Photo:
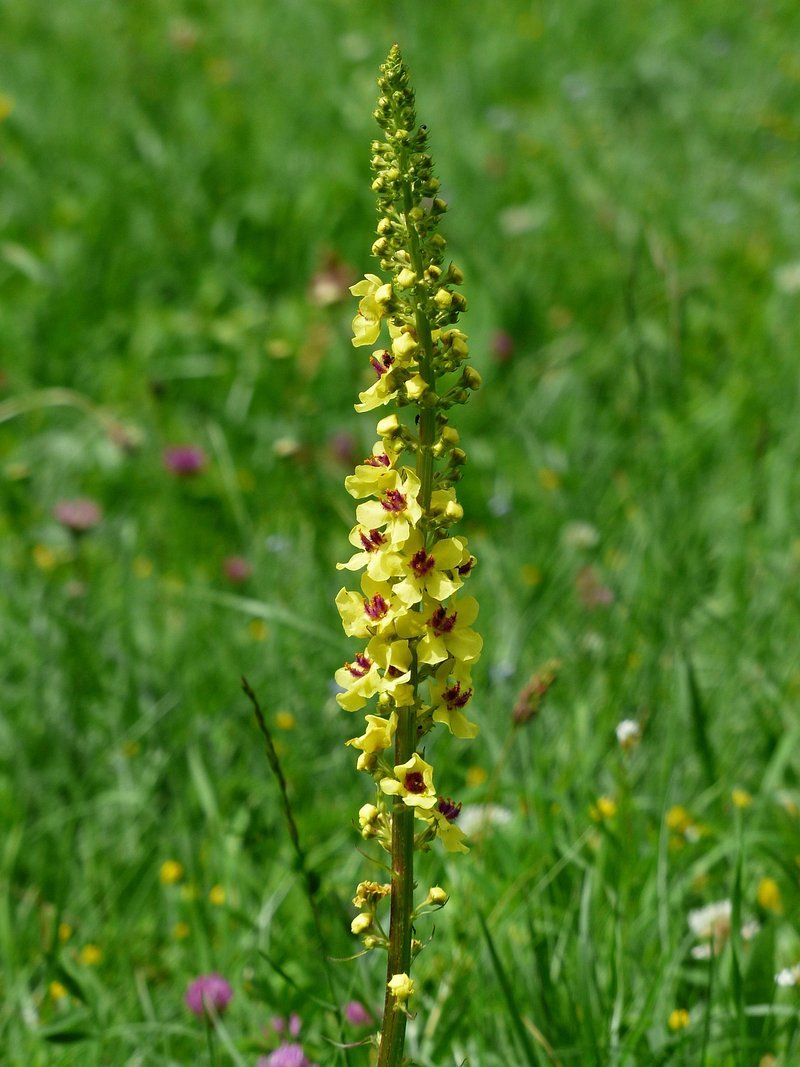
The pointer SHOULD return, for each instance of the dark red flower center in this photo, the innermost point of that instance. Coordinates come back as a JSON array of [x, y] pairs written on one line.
[[376, 608], [421, 563], [449, 808], [378, 461], [360, 665], [442, 623], [393, 500], [465, 568], [394, 672], [372, 541], [454, 697], [380, 366], [414, 782]]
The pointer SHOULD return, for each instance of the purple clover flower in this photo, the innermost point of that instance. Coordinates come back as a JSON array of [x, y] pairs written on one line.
[[78, 515], [286, 1055], [184, 460], [236, 569], [356, 1014], [209, 992]]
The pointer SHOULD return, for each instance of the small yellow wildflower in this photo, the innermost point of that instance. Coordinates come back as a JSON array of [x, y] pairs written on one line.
[[57, 991], [180, 931], [44, 558], [604, 808], [678, 1019], [170, 872], [217, 895], [476, 776], [142, 567], [284, 720], [741, 798], [64, 932], [769, 896], [549, 479], [678, 819], [258, 629], [90, 955], [530, 574]]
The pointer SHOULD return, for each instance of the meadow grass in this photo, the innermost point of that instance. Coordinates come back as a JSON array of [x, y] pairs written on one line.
[[623, 187]]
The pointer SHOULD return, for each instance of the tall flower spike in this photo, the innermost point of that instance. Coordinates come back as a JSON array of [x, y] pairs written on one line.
[[412, 669]]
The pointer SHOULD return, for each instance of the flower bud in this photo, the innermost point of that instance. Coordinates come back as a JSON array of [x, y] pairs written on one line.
[[367, 814], [384, 294], [361, 923], [443, 299], [471, 379], [404, 346], [384, 226], [389, 426], [453, 512], [406, 278], [437, 896], [458, 457], [401, 987]]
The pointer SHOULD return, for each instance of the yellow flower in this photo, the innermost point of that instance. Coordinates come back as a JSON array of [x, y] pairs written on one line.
[[741, 798], [678, 1019], [449, 833], [549, 479], [142, 567], [217, 895], [374, 475], [376, 555], [604, 808], [64, 932], [384, 389], [372, 612], [90, 955], [445, 630], [678, 819], [57, 991], [258, 629], [360, 680], [431, 573], [396, 510], [476, 776], [401, 987], [413, 782], [379, 734], [284, 720], [451, 691], [170, 872], [530, 574], [180, 931], [44, 558], [769, 896], [367, 323]]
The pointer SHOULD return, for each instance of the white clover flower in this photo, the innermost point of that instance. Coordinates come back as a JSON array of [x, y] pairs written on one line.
[[629, 733], [476, 818], [712, 926], [580, 535], [789, 976]]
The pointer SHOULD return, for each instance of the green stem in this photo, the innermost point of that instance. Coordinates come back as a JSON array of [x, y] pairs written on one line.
[[393, 1029]]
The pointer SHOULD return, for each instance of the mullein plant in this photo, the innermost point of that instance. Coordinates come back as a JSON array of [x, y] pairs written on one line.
[[410, 614]]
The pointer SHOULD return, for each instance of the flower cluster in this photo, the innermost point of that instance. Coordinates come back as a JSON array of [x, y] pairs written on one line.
[[410, 613]]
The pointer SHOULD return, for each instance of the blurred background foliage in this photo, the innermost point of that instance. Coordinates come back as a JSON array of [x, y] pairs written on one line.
[[184, 197]]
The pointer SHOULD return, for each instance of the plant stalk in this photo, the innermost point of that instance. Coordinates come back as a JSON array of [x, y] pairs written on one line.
[[393, 1029]]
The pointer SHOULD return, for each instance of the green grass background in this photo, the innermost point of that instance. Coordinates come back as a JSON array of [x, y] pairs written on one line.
[[623, 185]]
